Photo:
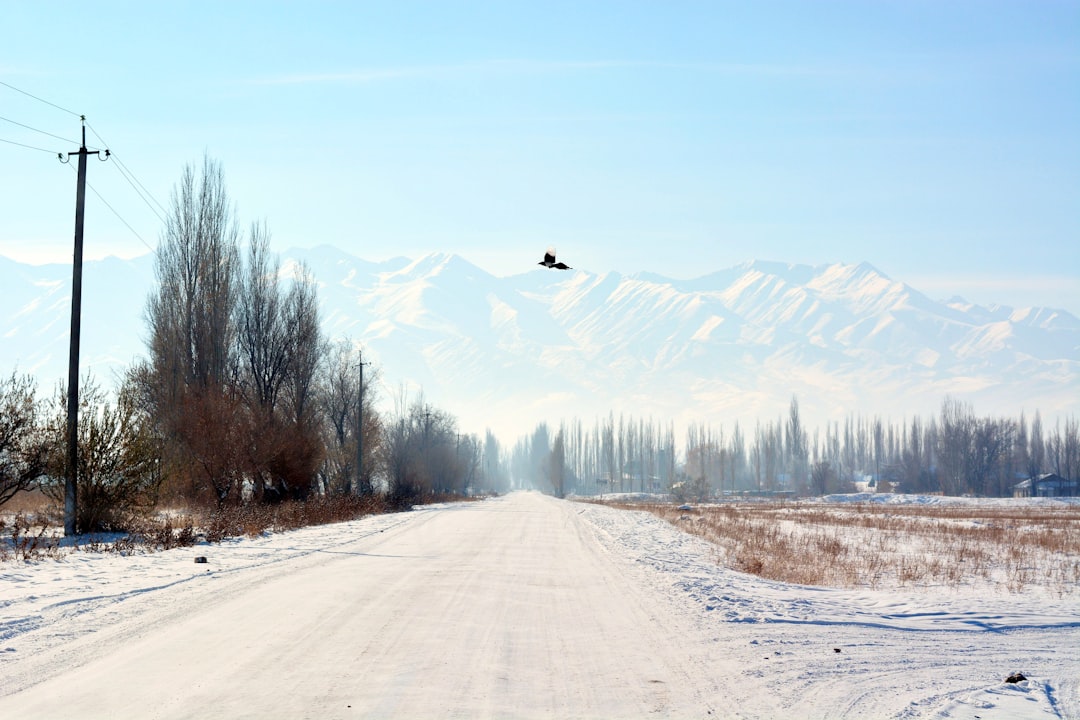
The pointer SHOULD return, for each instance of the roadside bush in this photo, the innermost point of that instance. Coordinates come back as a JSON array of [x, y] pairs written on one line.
[[119, 465], [23, 444], [255, 519], [162, 534]]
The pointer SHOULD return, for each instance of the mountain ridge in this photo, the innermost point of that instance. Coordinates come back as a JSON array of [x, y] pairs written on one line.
[[508, 352]]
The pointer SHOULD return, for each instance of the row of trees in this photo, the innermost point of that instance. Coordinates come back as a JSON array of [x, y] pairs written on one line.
[[956, 452], [240, 399], [230, 382], [250, 400], [425, 453], [621, 456]]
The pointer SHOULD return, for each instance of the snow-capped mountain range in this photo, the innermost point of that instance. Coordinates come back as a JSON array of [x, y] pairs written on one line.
[[508, 352]]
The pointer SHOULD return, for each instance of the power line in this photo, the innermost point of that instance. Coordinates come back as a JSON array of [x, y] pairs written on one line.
[[31, 147], [128, 175], [124, 173], [145, 195], [120, 217], [132, 181], [43, 132], [148, 194], [35, 97]]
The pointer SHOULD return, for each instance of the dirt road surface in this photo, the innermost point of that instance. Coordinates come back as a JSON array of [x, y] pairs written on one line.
[[504, 608]]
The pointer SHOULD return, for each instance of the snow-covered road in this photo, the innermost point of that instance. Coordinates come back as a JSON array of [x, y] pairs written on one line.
[[521, 606]]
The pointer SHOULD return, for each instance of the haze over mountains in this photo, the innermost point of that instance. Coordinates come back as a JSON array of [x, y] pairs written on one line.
[[508, 352]]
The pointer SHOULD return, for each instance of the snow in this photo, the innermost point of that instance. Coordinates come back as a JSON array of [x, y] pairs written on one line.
[[519, 606], [844, 339]]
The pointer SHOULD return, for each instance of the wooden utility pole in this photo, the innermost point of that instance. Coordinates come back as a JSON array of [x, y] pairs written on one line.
[[360, 428], [71, 484]]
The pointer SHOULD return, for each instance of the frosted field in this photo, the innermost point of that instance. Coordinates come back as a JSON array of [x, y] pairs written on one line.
[[895, 541], [520, 606]]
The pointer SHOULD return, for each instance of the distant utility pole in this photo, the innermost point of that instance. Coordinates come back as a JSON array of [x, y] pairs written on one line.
[[71, 484], [360, 425]]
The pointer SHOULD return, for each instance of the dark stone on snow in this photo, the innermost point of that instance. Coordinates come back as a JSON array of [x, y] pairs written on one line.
[[200, 559], [1015, 678]]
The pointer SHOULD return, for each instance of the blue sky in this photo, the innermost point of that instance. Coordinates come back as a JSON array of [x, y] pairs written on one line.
[[938, 141]]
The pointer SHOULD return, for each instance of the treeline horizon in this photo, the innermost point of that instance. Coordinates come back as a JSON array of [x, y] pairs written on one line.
[[955, 452]]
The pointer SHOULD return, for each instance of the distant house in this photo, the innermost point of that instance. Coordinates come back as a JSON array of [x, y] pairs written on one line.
[[873, 484], [1047, 485]]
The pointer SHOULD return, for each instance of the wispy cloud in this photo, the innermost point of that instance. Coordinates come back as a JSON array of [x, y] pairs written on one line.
[[371, 75], [519, 66], [351, 77]]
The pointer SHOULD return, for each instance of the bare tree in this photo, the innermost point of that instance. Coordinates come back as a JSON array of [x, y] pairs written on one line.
[[912, 458], [234, 356], [262, 334], [305, 344], [210, 445], [23, 444], [757, 453], [820, 473], [773, 451], [539, 451], [191, 316], [989, 472], [340, 398], [556, 465], [419, 452], [1037, 451], [1063, 448], [955, 445], [796, 446], [399, 461], [494, 471], [293, 462]]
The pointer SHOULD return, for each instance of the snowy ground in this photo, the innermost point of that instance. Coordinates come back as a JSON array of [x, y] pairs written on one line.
[[521, 606]]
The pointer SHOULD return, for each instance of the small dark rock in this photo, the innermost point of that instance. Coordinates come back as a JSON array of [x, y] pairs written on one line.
[[836, 649], [1015, 678], [200, 559]]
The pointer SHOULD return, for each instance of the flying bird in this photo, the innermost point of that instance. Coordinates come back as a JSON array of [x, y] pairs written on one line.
[[549, 261]]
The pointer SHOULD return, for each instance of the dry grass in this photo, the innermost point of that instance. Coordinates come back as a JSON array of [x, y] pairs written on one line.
[[30, 528], [33, 529], [26, 502], [28, 537], [1011, 547]]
